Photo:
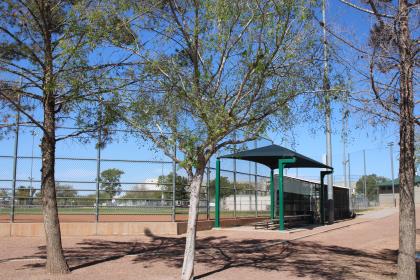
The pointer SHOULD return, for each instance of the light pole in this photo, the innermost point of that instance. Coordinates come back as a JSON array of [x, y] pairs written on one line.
[[390, 145], [326, 88]]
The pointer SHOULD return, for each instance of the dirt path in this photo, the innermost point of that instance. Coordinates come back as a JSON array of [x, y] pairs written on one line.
[[363, 248]]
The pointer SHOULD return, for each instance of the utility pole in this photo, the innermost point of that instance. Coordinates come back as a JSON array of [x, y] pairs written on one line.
[[326, 88], [390, 145], [344, 138]]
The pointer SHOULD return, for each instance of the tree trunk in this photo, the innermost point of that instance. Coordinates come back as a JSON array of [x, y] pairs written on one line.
[[188, 265], [407, 234], [55, 257]]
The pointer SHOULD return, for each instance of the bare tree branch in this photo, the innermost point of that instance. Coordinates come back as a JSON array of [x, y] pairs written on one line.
[[365, 10]]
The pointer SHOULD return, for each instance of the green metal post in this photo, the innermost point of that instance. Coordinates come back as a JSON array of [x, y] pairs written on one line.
[[272, 194], [321, 201], [217, 196], [282, 162]]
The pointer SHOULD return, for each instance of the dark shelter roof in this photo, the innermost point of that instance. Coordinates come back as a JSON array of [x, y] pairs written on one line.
[[270, 155]]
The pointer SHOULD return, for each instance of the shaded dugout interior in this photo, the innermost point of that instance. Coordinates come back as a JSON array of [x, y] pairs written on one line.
[[301, 197]]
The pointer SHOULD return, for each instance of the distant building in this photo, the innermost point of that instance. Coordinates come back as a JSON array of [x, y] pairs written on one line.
[[150, 184], [385, 192]]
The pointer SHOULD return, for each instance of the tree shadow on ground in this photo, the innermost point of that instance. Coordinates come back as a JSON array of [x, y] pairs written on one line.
[[216, 254]]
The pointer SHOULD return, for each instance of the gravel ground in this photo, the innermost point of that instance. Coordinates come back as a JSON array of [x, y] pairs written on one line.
[[363, 248]]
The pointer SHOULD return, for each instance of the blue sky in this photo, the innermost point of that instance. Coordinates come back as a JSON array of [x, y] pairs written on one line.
[[373, 140]]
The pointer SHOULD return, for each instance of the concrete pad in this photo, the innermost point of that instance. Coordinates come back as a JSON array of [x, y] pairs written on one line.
[[4, 229], [379, 214]]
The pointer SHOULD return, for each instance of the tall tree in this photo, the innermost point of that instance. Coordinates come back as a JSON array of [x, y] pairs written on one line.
[[47, 45], [110, 181], [227, 188], [212, 69], [65, 192], [372, 182], [181, 182], [394, 58]]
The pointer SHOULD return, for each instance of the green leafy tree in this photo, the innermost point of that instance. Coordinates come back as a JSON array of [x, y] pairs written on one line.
[[212, 69], [65, 192], [110, 181], [3, 193], [227, 187], [181, 190], [52, 49], [372, 182]]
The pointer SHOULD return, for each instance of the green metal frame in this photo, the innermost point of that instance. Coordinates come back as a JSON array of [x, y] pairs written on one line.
[[282, 163], [217, 196], [272, 195]]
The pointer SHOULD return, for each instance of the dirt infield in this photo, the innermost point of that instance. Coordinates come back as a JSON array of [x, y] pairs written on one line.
[[364, 248]]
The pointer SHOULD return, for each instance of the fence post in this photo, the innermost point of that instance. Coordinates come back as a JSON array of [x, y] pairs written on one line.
[[98, 175], [98, 159], [217, 196], [15, 159], [234, 178], [174, 186], [281, 201], [256, 182], [321, 201], [208, 191], [234, 187], [281, 164], [272, 194]]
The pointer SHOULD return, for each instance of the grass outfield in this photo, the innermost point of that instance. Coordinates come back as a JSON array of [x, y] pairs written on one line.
[[127, 211]]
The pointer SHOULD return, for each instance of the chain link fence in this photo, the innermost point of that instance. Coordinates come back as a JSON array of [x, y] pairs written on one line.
[[369, 174], [109, 186], [130, 181]]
